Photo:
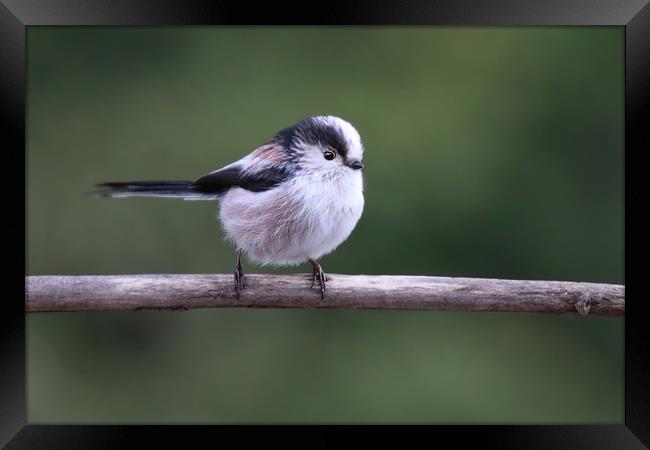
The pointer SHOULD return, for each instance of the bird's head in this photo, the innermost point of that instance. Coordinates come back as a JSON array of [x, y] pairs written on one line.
[[323, 144]]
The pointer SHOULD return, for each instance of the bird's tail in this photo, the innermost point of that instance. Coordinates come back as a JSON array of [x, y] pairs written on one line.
[[186, 190]]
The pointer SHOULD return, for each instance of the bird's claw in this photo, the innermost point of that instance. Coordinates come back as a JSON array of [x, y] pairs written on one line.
[[240, 281], [318, 276]]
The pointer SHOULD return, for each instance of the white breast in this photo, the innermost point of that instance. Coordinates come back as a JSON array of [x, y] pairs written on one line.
[[304, 218]]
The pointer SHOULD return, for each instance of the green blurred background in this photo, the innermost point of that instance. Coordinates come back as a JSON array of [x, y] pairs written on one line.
[[490, 152]]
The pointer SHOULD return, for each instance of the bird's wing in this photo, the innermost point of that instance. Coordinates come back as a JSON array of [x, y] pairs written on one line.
[[261, 170]]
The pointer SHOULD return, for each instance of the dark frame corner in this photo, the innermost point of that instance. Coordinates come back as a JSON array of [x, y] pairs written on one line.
[[15, 15]]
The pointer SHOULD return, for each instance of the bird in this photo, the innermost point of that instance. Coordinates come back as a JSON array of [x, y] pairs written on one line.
[[292, 200]]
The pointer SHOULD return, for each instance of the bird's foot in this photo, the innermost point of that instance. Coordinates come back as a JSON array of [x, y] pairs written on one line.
[[240, 282], [318, 276]]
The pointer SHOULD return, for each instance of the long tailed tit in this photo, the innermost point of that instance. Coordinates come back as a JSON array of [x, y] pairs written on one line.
[[292, 200]]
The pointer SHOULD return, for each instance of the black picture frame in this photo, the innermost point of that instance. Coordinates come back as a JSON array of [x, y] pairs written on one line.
[[15, 15]]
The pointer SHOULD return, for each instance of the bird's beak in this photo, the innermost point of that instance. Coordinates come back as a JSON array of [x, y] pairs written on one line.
[[356, 165]]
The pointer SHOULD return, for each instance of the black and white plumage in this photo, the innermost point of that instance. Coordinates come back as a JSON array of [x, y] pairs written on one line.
[[292, 200]]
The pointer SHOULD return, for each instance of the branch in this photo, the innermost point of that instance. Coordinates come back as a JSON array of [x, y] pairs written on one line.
[[137, 292]]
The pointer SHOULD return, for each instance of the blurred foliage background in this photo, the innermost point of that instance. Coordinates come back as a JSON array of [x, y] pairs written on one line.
[[490, 152]]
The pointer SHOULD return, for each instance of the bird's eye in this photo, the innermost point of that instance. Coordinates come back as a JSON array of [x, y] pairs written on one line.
[[329, 155]]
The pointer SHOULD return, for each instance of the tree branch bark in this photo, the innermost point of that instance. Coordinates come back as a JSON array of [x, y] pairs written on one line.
[[138, 292]]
